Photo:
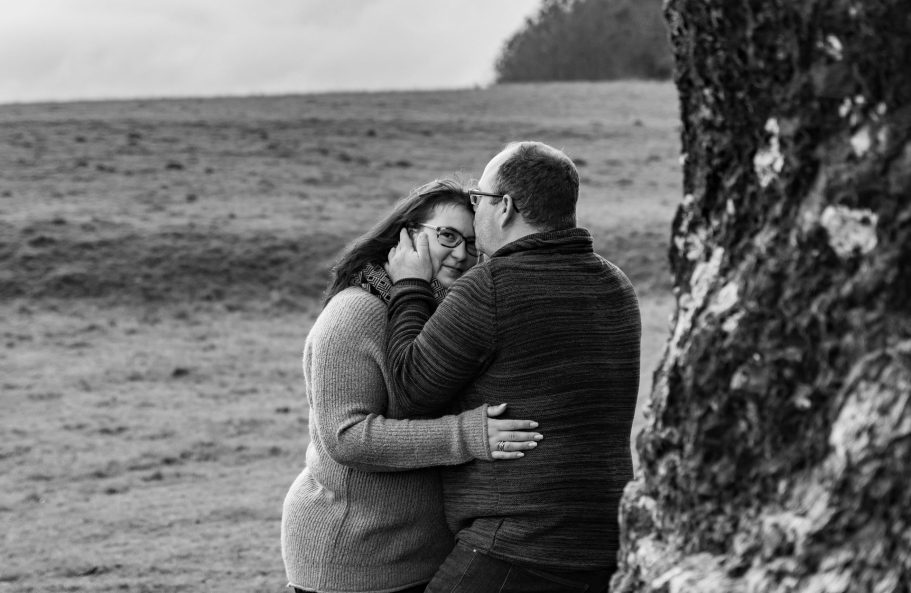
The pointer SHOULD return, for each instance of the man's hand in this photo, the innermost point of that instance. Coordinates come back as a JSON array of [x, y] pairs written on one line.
[[411, 259]]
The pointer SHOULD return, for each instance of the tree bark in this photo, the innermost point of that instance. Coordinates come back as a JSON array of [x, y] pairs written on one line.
[[777, 451]]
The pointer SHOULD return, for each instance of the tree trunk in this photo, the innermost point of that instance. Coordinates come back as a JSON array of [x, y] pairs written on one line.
[[777, 451]]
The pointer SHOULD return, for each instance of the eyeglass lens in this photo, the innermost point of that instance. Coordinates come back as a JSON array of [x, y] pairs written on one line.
[[452, 238]]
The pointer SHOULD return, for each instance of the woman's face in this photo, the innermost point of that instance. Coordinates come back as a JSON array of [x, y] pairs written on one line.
[[452, 261]]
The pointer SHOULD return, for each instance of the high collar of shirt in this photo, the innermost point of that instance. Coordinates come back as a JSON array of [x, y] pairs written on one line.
[[574, 240]]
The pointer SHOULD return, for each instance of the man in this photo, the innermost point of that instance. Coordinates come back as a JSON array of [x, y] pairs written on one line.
[[550, 328]]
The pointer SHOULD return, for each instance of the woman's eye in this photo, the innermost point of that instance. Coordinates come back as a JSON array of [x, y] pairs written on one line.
[[447, 236]]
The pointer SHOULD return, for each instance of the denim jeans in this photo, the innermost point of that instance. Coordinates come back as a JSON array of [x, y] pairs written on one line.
[[415, 589], [467, 570]]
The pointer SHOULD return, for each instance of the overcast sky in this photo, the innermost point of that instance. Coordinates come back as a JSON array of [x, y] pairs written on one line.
[[76, 49]]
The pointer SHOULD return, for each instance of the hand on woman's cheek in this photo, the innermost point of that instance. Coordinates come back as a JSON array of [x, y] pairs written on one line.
[[411, 259]]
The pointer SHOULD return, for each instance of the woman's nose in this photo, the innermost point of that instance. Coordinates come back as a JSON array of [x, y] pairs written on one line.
[[459, 253]]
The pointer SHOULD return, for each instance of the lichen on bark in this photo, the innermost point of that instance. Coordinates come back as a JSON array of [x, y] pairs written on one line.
[[777, 449]]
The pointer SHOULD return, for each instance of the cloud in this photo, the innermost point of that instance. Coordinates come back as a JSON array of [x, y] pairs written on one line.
[[59, 49]]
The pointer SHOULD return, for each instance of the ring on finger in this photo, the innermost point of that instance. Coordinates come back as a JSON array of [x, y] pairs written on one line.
[[501, 446]]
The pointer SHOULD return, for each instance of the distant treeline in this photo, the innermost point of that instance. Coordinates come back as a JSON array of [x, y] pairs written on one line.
[[589, 40]]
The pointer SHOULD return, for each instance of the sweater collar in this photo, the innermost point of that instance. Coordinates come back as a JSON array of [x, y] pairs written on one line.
[[574, 240]]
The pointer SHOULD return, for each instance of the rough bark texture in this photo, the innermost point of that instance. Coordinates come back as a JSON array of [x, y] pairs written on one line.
[[777, 453]]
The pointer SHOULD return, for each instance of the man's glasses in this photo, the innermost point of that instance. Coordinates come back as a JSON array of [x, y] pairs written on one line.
[[451, 238], [475, 196]]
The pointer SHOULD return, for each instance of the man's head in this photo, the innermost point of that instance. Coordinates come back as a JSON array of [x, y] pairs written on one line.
[[541, 187]]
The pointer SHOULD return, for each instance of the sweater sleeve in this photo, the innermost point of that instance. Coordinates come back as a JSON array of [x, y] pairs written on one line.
[[343, 368], [434, 356]]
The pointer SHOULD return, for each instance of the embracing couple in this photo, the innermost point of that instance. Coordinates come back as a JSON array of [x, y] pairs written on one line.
[[469, 422]]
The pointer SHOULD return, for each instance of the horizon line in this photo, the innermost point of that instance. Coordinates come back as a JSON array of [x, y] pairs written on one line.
[[280, 94]]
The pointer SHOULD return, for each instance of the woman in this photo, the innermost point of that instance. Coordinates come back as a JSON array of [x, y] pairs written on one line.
[[365, 515]]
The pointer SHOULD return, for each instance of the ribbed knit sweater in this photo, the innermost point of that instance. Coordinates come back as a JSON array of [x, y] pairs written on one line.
[[552, 329], [362, 516]]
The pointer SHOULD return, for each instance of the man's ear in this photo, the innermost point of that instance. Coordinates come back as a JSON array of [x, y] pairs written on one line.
[[507, 212]]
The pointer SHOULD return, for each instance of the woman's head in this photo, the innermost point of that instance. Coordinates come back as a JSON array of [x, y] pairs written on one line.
[[441, 204]]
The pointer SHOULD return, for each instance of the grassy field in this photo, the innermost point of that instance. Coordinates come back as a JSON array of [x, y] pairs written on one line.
[[160, 266]]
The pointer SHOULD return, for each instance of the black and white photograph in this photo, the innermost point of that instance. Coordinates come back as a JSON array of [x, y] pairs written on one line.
[[455, 296]]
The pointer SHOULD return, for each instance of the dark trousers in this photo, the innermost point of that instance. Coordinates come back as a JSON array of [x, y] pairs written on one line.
[[467, 570], [415, 589]]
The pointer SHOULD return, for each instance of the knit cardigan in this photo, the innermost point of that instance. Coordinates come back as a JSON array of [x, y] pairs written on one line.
[[366, 513], [552, 329]]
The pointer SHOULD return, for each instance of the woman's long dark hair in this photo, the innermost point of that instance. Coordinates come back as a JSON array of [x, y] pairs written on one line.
[[374, 245]]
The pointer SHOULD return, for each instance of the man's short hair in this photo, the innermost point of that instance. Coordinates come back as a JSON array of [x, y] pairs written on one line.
[[543, 182]]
